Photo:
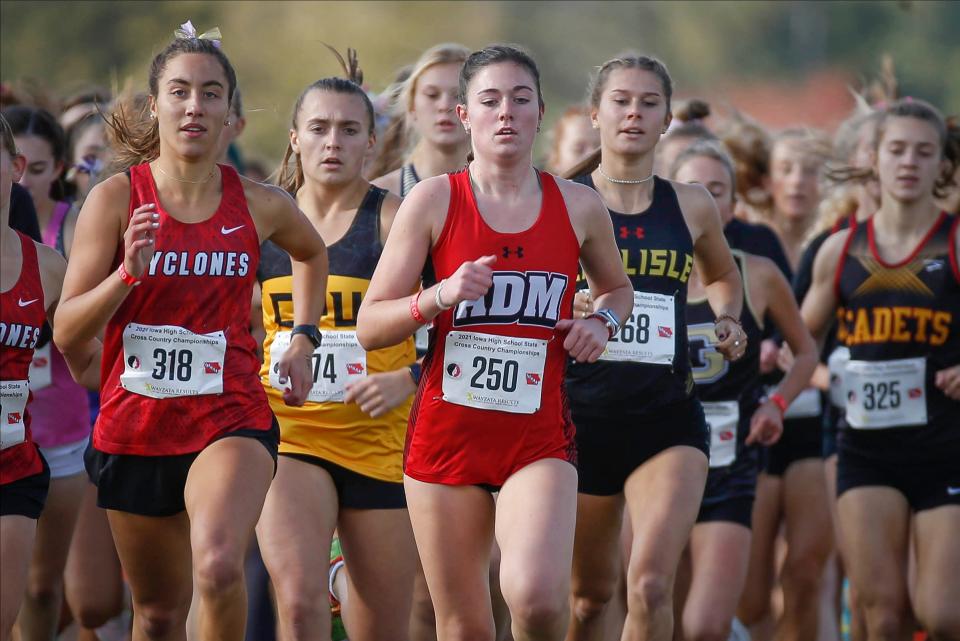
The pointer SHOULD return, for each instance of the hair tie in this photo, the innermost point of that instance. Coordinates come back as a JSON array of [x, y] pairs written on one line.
[[188, 32]]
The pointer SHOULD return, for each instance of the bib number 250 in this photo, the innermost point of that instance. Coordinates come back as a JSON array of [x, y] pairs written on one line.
[[497, 374]]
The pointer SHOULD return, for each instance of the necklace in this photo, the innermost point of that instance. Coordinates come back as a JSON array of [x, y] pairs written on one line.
[[184, 180], [620, 181]]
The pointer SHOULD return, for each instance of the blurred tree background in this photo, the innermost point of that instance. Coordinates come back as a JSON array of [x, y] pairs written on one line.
[[757, 56]]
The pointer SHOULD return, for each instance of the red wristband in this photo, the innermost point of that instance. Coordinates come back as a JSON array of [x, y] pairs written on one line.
[[415, 308], [126, 277], [780, 402]]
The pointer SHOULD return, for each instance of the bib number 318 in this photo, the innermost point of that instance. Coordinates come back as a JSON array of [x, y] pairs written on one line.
[[166, 361]]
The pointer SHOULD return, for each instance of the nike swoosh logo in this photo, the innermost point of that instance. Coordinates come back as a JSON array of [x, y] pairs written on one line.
[[229, 230], [953, 491], [24, 303]]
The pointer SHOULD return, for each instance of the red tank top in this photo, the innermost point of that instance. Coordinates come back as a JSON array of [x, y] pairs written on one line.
[[491, 399], [179, 364], [21, 316]]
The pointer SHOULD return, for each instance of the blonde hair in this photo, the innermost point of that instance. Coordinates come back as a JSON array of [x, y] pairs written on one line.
[[398, 140]]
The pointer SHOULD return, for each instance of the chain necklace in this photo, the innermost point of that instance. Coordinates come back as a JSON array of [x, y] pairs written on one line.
[[620, 181], [184, 180]]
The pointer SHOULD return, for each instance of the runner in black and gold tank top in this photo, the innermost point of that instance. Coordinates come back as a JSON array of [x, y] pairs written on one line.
[[893, 286], [341, 453], [641, 435]]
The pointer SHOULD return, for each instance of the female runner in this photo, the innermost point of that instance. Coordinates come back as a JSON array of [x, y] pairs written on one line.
[[340, 465], [897, 474], [164, 258], [428, 99], [59, 410], [31, 276], [792, 486], [503, 241], [641, 434], [736, 411]]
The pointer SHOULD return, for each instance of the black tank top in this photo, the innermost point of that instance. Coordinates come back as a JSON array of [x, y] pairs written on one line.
[[354, 256], [716, 378], [719, 380], [657, 252], [910, 310]]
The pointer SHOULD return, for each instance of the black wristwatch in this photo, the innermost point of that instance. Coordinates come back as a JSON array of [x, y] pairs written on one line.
[[609, 319], [311, 332]]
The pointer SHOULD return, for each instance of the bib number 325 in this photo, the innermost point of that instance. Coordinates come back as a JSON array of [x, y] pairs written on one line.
[[886, 394]]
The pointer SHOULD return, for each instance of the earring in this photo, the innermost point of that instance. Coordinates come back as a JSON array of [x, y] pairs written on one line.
[[152, 116], [226, 123], [596, 125]]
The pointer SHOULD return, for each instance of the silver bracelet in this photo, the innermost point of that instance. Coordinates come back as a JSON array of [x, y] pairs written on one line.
[[436, 297]]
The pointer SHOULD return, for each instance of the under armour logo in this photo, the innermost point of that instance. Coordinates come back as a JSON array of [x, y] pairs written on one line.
[[518, 252], [637, 231]]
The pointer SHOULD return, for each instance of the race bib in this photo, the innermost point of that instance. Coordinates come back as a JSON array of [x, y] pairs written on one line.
[[723, 417], [807, 404], [647, 336], [837, 364], [882, 394], [491, 372], [338, 361], [166, 361], [41, 370], [13, 404]]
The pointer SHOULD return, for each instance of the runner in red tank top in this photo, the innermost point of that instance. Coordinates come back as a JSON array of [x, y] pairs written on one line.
[[31, 276], [165, 259], [503, 242]]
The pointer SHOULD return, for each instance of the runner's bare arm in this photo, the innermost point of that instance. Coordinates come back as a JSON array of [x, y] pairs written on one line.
[[711, 254], [599, 254], [92, 290], [280, 220], [783, 310], [820, 304], [384, 317]]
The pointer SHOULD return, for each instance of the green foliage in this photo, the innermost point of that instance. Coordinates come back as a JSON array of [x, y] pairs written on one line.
[[277, 46]]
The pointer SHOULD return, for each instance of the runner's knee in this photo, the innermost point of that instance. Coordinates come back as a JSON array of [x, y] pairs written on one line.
[[218, 568], [650, 592]]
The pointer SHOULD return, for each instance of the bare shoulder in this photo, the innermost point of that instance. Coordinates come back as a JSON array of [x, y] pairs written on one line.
[[693, 198], [390, 182], [580, 199], [112, 191], [761, 270], [828, 256], [265, 198], [431, 192]]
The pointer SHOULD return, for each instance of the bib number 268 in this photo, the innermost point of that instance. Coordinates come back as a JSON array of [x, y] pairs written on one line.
[[635, 330]]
